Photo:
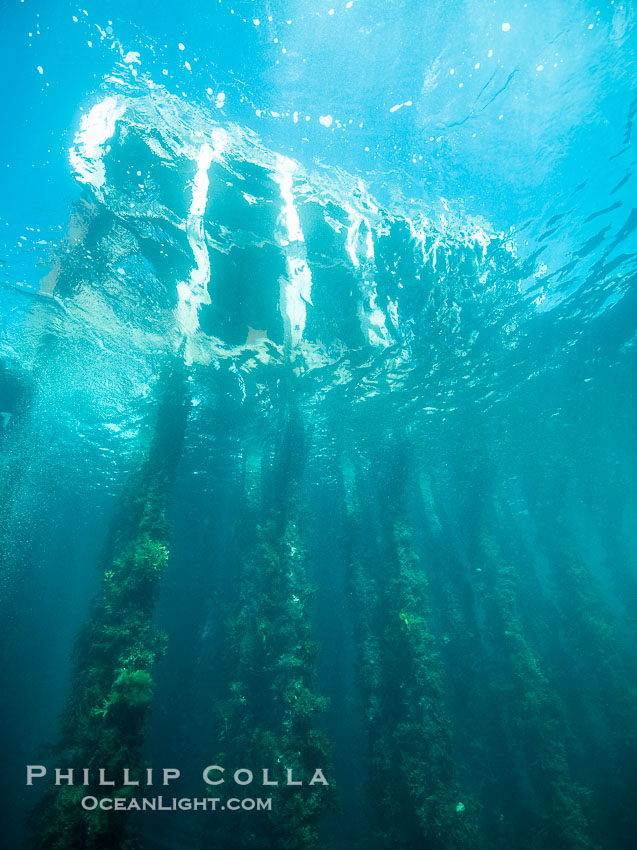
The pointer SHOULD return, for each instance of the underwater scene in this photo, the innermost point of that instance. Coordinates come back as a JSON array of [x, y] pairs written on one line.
[[318, 517]]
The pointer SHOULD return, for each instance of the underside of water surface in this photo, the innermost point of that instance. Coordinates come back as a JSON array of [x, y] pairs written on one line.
[[322, 478]]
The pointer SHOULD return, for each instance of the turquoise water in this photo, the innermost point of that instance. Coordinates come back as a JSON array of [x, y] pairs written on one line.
[[317, 436]]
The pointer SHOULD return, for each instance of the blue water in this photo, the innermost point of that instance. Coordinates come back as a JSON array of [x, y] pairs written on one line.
[[317, 418]]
